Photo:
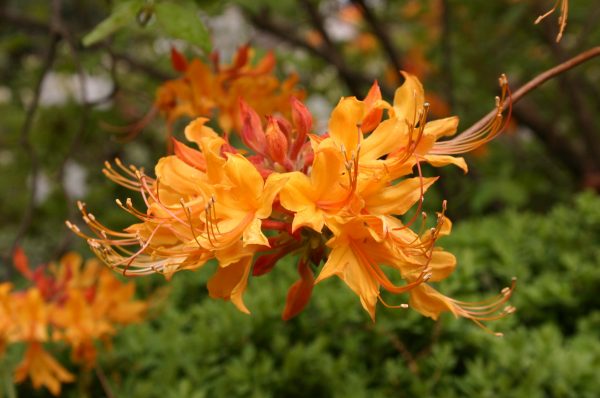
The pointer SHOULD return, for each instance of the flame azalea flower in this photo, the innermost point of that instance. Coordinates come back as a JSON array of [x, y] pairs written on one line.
[[72, 303], [203, 204], [42, 369], [205, 88], [336, 199]]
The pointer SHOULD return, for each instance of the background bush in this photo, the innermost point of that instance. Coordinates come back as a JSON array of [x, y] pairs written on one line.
[[198, 347]]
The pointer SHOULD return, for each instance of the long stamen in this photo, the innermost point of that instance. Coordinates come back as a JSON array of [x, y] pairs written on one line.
[[188, 214], [473, 138]]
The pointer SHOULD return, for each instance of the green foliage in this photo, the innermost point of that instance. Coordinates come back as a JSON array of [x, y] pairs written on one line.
[[182, 23], [198, 347], [123, 14], [175, 20]]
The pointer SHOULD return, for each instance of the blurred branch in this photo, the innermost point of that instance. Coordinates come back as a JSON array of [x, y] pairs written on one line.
[[104, 382], [573, 87], [447, 53], [141, 66], [335, 58], [563, 149], [24, 23], [38, 27], [382, 35], [357, 83], [25, 142], [399, 345], [536, 82]]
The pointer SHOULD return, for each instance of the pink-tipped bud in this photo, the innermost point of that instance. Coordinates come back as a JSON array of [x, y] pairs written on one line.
[[252, 133], [277, 144], [303, 121]]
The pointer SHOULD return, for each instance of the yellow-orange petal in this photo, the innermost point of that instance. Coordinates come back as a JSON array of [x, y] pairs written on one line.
[[429, 302], [343, 262], [229, 283], [444, 160], [344, 122], [409, 99], [387, 137], [397, 199]]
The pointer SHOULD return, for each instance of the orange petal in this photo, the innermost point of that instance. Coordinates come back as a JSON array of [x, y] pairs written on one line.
[[299, 294], [229, 283], [189, 155], [409, 98]]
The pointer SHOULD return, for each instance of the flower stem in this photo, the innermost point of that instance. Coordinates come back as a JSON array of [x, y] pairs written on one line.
[[536, 82]]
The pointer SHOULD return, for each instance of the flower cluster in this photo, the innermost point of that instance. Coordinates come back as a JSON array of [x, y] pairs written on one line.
[[206, 89], [334, 200], [73, 303]]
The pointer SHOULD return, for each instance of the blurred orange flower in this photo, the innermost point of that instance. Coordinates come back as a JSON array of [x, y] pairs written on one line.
[[206, 90], [74, 303]]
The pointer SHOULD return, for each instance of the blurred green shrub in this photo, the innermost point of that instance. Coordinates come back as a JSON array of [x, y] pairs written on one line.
[[198, 347]]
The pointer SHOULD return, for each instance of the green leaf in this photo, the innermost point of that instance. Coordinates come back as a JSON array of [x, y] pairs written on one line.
[[123, 13], [182, 23]]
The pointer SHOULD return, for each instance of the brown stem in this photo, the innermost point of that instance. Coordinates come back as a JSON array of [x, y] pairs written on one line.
[[573, 87], [536, 82], [104, 382]]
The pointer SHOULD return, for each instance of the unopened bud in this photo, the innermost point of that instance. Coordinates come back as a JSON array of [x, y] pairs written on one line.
[[277, 144]]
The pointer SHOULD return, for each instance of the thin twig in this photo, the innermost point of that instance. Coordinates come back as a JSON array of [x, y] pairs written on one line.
[[351, 78], [446, 45], [333, 55], [104, 382], [39, 27], [526, 113], [536, 82], [25, 142], [382, 35]]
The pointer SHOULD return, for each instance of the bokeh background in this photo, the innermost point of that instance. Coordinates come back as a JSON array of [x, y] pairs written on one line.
[[529, 206]]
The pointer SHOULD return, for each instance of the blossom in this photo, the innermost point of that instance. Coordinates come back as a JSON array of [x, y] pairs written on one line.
[[340, 199], [203, 204], [42, 369], [204, 89], [70, 302]]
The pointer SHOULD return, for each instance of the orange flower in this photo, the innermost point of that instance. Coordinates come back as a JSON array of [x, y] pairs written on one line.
[[42, 369], [72, 303], [335, 198], [204, 90], [205, 204]]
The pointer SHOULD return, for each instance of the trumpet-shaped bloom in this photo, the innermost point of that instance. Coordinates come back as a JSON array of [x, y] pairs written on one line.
[[204, 89], [338, 199], [72, 303]]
